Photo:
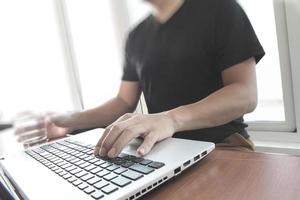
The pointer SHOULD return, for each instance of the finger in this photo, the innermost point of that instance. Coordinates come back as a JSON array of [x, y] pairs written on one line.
[[115, 132], [125, 137], [100, 148], [32, 134], [148, 144]]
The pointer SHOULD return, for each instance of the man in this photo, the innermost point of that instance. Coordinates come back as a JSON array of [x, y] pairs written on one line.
[[194, 60]]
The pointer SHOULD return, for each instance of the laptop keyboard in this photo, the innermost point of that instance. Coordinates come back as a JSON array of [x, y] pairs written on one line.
[[75, 162]]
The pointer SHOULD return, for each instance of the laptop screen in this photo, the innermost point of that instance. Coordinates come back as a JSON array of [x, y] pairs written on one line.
[[5, 193]]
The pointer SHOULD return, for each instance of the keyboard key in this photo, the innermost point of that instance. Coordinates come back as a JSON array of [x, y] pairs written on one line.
[[80, 174], [63, 143], [70, 151], [77, 182], [65, 156], [91, 146], [58, 171], [87, 177], [89, 190], [94, 180], [83, 165], [83, 156], [121, 181], [146, 162], [156, 165], [101, 184], [62, 173], [72, 167], [70, 159], [103, 173], [58, 161], [80, 162], [97, 195], [96, 170], [128, 164], [75, 171], [59, 154], [120, 170], [72, 179], [51, 166], [79, 154], [66, 165], [141, 168], [106, 164], [99, 162], [55, 168], [132, 175], [91, 152], [75, 160], [113, 167], [109, 189], [90, 167], [133, 158], [67, 176], [85, 150], [82, 186], [88, 158], [110, 176], [122, 155], [94, 160], [118, 161], [75, 153], [39, 151]]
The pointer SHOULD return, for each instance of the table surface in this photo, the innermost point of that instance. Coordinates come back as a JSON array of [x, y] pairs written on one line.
[[234, 175]]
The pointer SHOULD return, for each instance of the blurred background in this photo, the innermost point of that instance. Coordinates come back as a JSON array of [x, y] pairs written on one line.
[[63, 55]]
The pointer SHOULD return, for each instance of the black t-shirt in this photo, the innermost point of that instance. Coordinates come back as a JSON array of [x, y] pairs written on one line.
[[180, 62]]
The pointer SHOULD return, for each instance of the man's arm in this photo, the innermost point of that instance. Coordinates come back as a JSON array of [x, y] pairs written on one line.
[[103, 115], [236, 98]]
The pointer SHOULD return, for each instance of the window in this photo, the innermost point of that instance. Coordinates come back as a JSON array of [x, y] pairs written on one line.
[[93, 31], [32, 65], [270, 106], [275, 108]]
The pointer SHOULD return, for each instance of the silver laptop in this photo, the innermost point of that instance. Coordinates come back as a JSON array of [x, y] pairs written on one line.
[[67, 168]]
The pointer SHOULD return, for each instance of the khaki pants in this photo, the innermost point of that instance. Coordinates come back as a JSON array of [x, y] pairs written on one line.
[[236, 142]]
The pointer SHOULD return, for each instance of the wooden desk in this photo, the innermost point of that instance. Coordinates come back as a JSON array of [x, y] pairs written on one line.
[[233, 175]]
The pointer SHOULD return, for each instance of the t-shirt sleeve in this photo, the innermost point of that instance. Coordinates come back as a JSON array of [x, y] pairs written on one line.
[[129, 68], [235, 38]]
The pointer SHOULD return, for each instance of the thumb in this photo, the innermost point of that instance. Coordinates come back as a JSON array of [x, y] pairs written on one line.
[[148, 144]]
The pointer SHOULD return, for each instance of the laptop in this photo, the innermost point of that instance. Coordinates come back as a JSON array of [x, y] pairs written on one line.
[[67, 168]]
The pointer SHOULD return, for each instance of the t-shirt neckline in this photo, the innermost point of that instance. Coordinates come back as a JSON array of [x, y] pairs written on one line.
[[173, 17]]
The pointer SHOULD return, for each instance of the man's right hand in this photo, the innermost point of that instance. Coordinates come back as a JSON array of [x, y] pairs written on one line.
[[60, 125], [56, 125]]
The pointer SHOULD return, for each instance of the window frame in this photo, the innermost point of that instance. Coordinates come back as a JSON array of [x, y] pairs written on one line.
[[293, 15], [289, 125], [69, 54]]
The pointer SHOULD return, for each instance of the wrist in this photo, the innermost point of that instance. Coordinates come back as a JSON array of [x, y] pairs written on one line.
[[172, 116]]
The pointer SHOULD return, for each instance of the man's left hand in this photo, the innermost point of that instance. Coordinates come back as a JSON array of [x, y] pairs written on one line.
[[152, 127]]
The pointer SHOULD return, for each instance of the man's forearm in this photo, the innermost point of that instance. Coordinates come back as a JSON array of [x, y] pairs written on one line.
[[221, 107], [100, 116]]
